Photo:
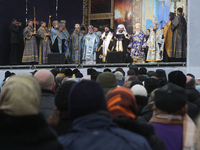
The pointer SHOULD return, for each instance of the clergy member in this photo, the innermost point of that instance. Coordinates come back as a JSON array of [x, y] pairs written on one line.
[[178, 47], [120, 42], [155, 44], [105, 40], [30, 50], [76, 44], [44, 44], [90, 46], [138, 43]]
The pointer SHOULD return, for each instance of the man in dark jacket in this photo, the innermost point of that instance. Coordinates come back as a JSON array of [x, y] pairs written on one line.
[[92, 126], [192, 94], [15, 53], [46, 81]]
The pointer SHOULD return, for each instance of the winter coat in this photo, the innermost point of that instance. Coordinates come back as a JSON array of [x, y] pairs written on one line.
[[145, 130], [98, 132], [26, 133]]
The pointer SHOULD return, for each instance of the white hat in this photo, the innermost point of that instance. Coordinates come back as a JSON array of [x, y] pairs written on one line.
[[139, 90]]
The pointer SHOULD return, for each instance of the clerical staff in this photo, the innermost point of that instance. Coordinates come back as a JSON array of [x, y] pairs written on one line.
[[34, 22]]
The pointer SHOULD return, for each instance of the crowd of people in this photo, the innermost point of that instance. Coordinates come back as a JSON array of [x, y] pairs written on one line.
[[113, 109], [168, 44]]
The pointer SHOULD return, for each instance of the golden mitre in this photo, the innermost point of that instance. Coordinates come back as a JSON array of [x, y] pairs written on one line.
[[137, 25], [63, 22], [77, 25]]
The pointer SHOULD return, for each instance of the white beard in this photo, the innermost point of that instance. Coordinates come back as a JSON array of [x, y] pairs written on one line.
[[137, 32]]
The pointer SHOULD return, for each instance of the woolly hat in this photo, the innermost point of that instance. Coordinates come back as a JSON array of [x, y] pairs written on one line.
[[86, 97], [178, 78], [61, 96], [107, 80], [121, 103], [118, 75], [170, 98], [139, 90], [151, 84]]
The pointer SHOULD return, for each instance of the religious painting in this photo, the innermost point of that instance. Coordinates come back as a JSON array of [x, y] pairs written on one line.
[[100, 6], [123, 14], [158, 10]]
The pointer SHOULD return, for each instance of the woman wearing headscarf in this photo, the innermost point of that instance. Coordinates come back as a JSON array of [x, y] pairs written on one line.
[[22, 127], [122, 105], [59, 119]]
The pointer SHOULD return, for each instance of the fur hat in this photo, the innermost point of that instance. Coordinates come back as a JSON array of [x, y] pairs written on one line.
[[170, 98], [178, 78]]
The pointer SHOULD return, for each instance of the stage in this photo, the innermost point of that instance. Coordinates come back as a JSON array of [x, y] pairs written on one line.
[[168, 67]]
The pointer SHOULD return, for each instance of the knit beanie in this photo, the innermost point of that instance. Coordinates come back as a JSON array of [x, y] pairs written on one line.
[[86, 97], [139, 90], [178, 78], [170, 98], [107, 80], [135, 83]]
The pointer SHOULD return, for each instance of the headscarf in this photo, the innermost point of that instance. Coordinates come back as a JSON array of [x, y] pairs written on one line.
[[121, 103], [20, 96], [152, 96]]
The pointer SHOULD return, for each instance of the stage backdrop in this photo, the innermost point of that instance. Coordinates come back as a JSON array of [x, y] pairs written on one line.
[[130, 12]]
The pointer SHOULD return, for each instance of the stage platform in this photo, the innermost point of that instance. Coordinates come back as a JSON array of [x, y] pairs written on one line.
[[104, 65], [168, 67]]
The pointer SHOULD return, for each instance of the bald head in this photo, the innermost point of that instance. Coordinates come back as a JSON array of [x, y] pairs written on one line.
[[190, 82], [45, 79]]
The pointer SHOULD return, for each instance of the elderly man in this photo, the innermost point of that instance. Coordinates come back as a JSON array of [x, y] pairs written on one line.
[[76, 45], [105, 40], [47, 84], [121, 41], [90, 46], [155, 44], [138, 44]]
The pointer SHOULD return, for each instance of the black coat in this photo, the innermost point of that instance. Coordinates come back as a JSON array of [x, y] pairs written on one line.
[[146, 130], [14, 34], [193, 96], [141, 103], [26, 133]]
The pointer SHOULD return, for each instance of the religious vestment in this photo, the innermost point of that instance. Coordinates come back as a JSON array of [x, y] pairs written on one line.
[[76, 47], [90, 44], [67, 39], [59, 41], [44, 45], [179, 44], [98, 33], [121, 45], [138, 43], [156, 45], [30, 49], [168, 41], [105, 41]]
